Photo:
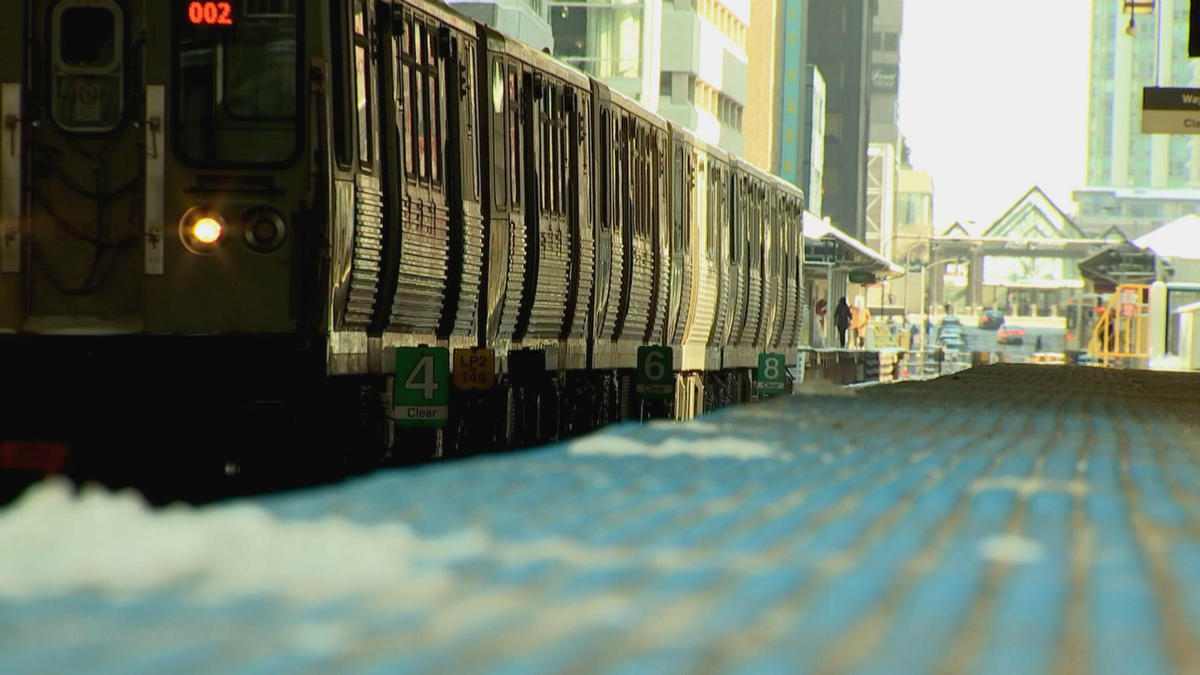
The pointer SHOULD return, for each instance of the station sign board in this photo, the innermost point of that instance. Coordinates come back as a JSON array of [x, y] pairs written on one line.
[[421, 393], [655, 375], [1170, 110], [771, 377]]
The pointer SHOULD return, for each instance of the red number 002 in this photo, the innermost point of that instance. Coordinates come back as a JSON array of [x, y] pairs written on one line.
[[210, 13]]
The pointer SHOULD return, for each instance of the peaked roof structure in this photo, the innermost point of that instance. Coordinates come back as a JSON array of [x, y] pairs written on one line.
[[1035, 216], [957, 228], [1114, 234]]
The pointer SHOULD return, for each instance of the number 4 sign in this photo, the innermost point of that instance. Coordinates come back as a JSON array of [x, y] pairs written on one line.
[[421, 397]]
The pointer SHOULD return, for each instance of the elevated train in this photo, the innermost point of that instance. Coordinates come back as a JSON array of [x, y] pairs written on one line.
[[224, 212]]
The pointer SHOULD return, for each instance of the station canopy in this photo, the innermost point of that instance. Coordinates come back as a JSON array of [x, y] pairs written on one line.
[[826, 245], [1137, 261], [1177, 239]]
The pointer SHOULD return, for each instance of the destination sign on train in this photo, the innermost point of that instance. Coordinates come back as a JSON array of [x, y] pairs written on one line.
[[209, 13]]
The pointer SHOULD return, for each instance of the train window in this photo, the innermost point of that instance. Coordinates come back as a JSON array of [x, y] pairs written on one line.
[[406, 83], [87, 69], [514, 132], [237, 85], [498, 131], [543, 151], [561, 167], [570, 159], [623, 193], [469, 146], [341, 99], [435, 123], [690, 199], [360, 17], [605, 181], [87, 36], [635, 171], [658, 177], [363, 101], [677, 197], [419, 46], [710, 220], [420, 115]]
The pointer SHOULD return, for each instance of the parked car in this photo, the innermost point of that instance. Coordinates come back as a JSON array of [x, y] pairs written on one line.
[[1010, 335], [951, 320], [1049, 358], [992, 319]]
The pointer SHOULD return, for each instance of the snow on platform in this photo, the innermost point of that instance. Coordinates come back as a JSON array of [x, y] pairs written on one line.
[[1009, 519]]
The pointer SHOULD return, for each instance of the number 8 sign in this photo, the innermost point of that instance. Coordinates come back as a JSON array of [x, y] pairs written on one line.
[[772, 374]]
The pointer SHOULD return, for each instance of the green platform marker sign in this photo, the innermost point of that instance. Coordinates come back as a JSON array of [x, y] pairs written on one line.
[[772, 374], [421, 396], [654, 372]]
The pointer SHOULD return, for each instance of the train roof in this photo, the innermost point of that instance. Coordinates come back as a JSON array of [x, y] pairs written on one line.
[[500, 43], [685, 134], [604, 92], [442, 11]]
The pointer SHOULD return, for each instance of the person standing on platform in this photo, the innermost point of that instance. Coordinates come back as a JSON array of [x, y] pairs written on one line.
[[860, 319], [841, 320]]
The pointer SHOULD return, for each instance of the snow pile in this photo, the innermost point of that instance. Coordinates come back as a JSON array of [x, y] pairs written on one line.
[[697, 438], [112, 543]]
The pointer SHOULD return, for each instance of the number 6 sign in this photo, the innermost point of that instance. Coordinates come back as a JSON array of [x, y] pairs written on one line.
[[654, 372]]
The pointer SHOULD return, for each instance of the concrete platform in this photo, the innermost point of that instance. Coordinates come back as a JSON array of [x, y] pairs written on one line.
[[1007, 519]]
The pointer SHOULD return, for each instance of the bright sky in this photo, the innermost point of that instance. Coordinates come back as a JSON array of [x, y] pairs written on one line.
[[993, 100]]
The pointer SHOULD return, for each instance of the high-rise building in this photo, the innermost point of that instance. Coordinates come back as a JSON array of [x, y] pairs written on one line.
[[812, 157], [839, 45], [761, 118], [1123, 61], [704, 65], [526, 20], [794, 129], [618, 43], [885, 73]]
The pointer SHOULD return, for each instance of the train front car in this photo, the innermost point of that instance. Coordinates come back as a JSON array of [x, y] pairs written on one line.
[[160, 227]]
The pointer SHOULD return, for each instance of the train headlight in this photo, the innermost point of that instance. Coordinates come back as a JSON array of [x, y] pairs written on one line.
[[206, 230], [201, 230], [264, 230]]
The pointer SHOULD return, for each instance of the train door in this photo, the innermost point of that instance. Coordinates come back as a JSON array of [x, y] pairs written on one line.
[[357, 227], [662, 239], [623, 198], [677, 226], [460, 314], [577, 192], [609, 239], [82, 256], [505, 223]]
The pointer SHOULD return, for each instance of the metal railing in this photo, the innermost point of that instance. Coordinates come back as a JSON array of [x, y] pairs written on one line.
[[1122, 332]]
